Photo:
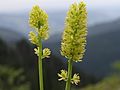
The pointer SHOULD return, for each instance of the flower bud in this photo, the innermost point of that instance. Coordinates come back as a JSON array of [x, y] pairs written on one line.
[[37, 51], [76, 79], [46, 53], [63, 75]]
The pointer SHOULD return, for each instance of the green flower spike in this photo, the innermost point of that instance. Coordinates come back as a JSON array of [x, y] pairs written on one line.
[[38, 17], [74, 36], [74, 39], [38, 20]]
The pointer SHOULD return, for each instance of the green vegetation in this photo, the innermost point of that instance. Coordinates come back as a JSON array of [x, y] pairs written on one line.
[[12, 79], [109, 83], [116, 66]]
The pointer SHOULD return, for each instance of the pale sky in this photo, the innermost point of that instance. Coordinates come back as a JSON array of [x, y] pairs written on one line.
[[25, 5]]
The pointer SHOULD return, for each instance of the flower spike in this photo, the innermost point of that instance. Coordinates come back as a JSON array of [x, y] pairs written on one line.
[[38, 20], [74, 36]]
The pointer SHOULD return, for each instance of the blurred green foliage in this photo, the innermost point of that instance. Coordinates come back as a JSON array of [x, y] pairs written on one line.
[[116, 65], [109, 83], [12, 79]]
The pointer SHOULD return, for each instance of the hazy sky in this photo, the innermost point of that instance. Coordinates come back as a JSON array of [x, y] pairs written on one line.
[[25, 5]]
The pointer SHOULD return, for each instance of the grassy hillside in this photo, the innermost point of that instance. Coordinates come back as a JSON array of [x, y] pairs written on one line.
[[109, 83]]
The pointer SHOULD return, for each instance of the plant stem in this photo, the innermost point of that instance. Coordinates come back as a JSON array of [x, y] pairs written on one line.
[[68, 83], [40, 65]]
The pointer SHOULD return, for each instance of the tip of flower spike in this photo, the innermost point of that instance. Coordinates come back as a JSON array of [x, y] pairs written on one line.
[[35, 7], [82, 3], [37, 17]]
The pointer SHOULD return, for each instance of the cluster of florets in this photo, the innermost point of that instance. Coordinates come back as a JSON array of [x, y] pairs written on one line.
[[74, 36], [63, 76], [38, 20]]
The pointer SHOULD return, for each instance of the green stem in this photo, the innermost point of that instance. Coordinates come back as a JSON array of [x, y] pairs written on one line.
[[40, 65], [68, 83]]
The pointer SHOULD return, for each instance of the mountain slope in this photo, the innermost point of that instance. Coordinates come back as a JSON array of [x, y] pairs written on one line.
[[10, 36]]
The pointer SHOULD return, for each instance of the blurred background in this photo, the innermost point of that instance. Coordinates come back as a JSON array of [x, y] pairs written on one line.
[[100, 69]]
